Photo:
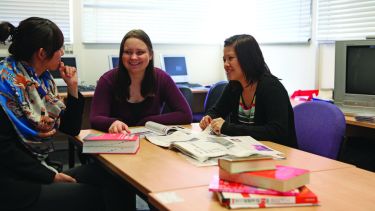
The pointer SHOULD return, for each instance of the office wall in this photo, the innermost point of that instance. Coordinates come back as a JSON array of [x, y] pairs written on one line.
[[326, 67]]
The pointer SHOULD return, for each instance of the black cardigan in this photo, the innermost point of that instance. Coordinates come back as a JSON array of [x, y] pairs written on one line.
[[21, 173], [273, 117]]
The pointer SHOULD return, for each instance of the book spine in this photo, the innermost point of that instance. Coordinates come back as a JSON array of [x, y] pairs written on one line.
[[272, 200], [263, 205]]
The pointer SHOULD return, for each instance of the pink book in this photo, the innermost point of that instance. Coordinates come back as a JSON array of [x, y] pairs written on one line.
[[111, 137], [283, 178], [219, 185]]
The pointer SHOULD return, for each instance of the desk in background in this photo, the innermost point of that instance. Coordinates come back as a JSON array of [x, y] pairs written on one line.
[[359, 128]]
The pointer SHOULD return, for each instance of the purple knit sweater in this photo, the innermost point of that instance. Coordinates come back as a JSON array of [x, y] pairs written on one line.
[[105, 110]]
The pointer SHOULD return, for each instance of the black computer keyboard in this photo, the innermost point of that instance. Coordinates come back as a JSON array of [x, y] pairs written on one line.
[[88, 88], [81, 88], [190, 85]]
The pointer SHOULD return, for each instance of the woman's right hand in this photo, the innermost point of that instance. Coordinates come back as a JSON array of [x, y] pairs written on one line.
[[61, 177], [70, 76], [205, 121], [118, 127]]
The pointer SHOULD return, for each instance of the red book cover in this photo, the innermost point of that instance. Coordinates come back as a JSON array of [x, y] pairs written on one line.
[[243, 200], [283, 178], [219, 185]]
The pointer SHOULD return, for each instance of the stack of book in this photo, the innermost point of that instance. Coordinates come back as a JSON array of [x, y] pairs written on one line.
[[260, 183]]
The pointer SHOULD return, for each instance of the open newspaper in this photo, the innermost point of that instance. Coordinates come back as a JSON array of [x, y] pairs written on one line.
[[203, 146], [231, 147]]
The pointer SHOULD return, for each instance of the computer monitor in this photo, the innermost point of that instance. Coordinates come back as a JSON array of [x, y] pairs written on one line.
[[69, 60], [113, 61], [355, 73], [175, 66]]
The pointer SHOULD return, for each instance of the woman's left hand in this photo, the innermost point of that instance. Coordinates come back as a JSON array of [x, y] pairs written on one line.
[[70, 76], [216, 125]]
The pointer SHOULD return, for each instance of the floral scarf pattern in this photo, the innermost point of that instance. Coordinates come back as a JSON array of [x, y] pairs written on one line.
[[31, 103]]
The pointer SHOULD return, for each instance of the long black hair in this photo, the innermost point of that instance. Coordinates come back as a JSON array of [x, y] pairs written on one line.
[[123, 79], [249, 55], [31, 34]]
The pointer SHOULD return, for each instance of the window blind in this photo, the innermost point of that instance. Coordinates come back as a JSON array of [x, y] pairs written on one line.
[[287, 21], [345, 19], [197, 21], [57, 11]]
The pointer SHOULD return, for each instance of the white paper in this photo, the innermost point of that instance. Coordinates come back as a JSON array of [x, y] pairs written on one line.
[[168, 197]]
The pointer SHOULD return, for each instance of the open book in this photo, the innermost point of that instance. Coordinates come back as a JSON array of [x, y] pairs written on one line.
[[156, 129], [177, 134]]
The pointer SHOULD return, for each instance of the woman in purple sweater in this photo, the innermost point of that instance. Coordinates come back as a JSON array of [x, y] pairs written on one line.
[[136, 91]]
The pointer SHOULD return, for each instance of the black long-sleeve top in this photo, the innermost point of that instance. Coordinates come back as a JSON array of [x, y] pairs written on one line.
[[273, 117], [21, 173]]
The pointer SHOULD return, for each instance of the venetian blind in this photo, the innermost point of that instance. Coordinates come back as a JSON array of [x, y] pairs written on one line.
[[197, 21], [345, 19], [57, 11]]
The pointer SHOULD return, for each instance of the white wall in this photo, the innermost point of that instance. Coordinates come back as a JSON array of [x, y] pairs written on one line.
[[326, 66]]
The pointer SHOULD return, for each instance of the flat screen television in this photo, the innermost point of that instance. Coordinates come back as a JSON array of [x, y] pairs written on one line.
[[69, 60], [355, 73]]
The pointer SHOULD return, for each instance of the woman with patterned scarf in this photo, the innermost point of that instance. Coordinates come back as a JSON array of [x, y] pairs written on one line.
[[31, 112]]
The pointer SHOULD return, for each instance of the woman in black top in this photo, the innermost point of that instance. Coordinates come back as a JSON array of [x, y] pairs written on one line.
[[30, 112], [254, 102]]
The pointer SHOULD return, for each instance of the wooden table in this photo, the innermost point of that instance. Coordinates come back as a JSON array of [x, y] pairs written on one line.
[[306, 160], [350, 120], [155, 169], [338, 189]]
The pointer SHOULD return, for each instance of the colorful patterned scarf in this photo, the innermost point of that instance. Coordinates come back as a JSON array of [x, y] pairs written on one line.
[[31, 103]]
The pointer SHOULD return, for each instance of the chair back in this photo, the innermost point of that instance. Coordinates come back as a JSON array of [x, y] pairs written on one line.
[[214, 94], [188, 94], [320, 128]]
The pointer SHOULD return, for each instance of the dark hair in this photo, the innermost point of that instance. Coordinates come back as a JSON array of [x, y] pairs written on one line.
[[32, 34], [123, 80], [249, 55]]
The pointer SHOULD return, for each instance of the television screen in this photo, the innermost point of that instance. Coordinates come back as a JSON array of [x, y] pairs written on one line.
[[360, 70]]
